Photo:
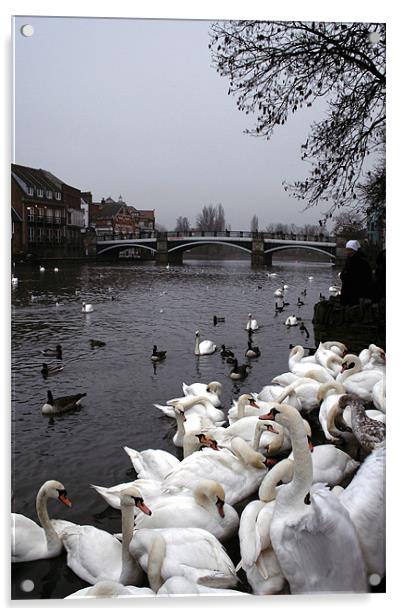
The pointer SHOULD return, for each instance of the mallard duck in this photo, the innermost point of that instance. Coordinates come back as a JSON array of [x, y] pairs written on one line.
[[299, 302], [49, 370], [157, 355], [57, 352], [96, 343], [56, 406]]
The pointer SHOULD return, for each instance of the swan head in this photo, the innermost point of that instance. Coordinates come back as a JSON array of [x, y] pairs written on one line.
[[197, 333], [281, 413], [213, 491], [132, 497], [349, 400], [214, 387], [247, 399], [206, 440], [55, 489], [351, 362]]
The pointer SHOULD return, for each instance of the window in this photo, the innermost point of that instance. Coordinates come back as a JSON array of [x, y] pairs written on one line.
[[58, 196], [41, 235], [49, 194], [30, 214], [39, 192], [57, 216], [31, 234], [30, 190]]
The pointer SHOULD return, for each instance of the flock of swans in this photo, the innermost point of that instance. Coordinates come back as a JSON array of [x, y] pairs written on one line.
[[307, 518]]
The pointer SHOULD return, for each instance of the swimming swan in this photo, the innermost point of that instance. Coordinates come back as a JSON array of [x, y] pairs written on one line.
[[30, 541], [206, 347], [87, 307]]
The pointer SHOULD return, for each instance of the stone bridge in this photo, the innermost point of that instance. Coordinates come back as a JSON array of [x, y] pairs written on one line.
[[169, 246]]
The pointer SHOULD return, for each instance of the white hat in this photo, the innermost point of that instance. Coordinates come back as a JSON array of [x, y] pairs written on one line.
[[353, 244]]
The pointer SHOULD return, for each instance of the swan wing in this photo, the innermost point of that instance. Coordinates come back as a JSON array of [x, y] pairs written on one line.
[[27, 539], [152, 463], [250, 539], [319, 549], [92, 554], [167, 410]]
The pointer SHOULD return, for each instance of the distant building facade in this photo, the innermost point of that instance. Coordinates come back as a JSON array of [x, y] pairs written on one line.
[[47, 217], [110, 217]]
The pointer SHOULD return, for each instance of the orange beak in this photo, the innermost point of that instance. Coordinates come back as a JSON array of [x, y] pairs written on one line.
[[254, 404], [266, 416], [144, 508], [66, 501]]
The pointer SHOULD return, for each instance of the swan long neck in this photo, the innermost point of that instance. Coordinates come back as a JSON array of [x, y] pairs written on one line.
[[356, 368], [192, 401], [203, 495], [303, 465], [197, 345], [326, 387], [247, 454], [52, 537], [156, 557], [130, 566], [282, 471]]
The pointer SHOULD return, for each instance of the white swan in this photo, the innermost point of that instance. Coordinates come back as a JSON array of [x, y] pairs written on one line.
[[379, 396], [239, 470], [279, 292], [206, 347], [331, 465], [41, 268], [204, 508], [251, 324], [291, 321], [14, 280], [303, 369], [258, 559], [314, 539], [190, 552], [87, 307], [95, 555], [328, 408], [179, 585], [364, 499], [199, 406], [246, 406], [358, 381], [110, 590], [30, 541]]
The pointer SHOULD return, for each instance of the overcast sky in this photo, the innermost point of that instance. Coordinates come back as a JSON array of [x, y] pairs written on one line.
[[134, 108]]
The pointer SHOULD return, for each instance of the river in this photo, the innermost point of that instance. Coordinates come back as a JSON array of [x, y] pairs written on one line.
[[136, 305]]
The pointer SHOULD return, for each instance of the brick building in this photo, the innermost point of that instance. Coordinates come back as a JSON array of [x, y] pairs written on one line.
[[46, 215], [116, 217]]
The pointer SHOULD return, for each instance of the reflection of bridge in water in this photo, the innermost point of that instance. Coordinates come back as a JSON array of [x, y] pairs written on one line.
[[169, 246]]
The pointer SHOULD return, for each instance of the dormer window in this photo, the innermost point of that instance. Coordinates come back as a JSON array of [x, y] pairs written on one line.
[[58, 196], [30, 191], [49, 194], [39, 192]]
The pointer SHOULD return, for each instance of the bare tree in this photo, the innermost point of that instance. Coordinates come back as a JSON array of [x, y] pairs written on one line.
[[254, 223], [276, 68], [182, 224], [211, 218]]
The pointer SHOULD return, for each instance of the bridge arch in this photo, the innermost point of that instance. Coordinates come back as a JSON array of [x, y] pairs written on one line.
[[291, 246], [120, 247], [189, 245]]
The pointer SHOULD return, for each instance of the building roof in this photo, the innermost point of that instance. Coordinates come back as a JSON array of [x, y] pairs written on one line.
[[108, 211], [147, 213], [40, 178]]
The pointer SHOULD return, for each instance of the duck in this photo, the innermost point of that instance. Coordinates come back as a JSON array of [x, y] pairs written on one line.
[[217, 320], [57, 352], [56, 406], [291, 321], [226, 352], [258, 559], [157, 355], [96, 343], [251, 324], [87, 307], [239, 372], [94, 555], [204, 508], [49, 370], [29, 541], [300, 302], [206, 347], [252, 351], [279, 308], [193, 553], [304, 292], [369, 432], [314, 540]]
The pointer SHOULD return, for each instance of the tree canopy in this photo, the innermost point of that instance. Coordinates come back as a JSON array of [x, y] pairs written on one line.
[[276, 68], [211, 218]]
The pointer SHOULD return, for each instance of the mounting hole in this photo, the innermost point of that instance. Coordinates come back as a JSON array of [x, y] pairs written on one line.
[[374, 579], [27, 585], [374, 37], [27, 30]]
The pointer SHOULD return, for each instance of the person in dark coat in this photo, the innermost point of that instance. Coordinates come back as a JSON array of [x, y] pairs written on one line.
[[356, 276]]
